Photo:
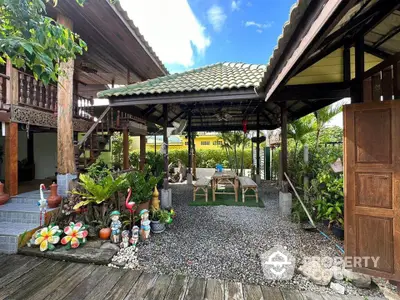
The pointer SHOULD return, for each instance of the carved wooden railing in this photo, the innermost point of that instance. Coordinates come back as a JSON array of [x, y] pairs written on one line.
[[83, 107], [382, 82], [3, 91]]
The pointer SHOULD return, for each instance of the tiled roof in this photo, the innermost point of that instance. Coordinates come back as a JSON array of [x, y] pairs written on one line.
[[210, 78]]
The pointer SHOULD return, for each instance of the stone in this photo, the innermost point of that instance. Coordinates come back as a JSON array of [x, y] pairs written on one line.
[[285, 204], [166, 198], [338, 288], [357, 279], [390, 295], [337, 273], [314, 271], [111, 246]]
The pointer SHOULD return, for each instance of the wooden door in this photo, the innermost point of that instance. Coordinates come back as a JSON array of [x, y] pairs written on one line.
[[372, 185]]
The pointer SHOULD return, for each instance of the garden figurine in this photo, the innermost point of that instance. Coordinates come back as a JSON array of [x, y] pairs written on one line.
[[42, 203], [115, 226], [144, 224], [125, 239], [130, 204], [135, 235]]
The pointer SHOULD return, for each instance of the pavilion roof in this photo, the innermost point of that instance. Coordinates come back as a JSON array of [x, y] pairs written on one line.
[[220, 76]]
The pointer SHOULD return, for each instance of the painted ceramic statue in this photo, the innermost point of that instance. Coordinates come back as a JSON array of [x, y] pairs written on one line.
[[135, 235], [115, 226], [42, 203], [144, 224], [125, 239]]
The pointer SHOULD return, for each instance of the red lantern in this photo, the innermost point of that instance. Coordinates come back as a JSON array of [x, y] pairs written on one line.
[[244, 123]]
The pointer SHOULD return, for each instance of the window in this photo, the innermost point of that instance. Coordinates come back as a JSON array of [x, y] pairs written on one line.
[[219, 143], [205, 143]]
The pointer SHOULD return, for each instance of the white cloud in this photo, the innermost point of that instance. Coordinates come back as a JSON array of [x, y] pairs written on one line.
[[172, 29], [216, 17], [260, 26], [235, 5]]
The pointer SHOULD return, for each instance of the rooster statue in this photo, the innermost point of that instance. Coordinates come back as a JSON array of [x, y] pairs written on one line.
[[130, 205], [42, 203]]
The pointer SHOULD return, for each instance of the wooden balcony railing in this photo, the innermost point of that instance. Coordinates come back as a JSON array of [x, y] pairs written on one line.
[[83, 107], [3, 92]]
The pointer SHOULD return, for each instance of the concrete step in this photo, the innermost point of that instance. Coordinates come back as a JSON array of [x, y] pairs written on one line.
[[9, 235], [23, 213], [29, 197]]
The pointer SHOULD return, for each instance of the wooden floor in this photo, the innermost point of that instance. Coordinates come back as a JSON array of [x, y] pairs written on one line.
[[23, 277]]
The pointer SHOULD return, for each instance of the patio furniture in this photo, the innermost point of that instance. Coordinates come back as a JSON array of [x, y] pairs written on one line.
[[201, 184], [227, 178], [248, 184]]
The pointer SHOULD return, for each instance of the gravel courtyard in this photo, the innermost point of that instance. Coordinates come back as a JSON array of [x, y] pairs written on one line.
[[226, 241]]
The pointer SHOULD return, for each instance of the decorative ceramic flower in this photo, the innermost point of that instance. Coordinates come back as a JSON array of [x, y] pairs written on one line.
[[47, 237], [75, 235]]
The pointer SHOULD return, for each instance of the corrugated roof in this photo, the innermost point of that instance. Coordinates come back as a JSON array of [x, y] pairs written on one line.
[[214, 77], [296, 13], [142, 40]]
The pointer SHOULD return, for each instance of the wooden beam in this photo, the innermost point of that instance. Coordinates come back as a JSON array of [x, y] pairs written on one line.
[[65, 140], [11, 84], [382, 65], [11, 158], [165, 141], [125, 145], [387, 37], [142, 152], [258, 146], [376, 52], [346, 63], [396, 80], [357, 88], [284, 149], [189, 139]]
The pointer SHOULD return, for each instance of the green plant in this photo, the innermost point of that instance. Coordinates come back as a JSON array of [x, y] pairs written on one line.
[[98, 170], [335, 213], [321, 207], [142, 184], [161, 215], [96, 193]]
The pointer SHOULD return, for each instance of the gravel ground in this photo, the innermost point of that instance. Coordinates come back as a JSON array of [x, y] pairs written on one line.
[[225, 242]]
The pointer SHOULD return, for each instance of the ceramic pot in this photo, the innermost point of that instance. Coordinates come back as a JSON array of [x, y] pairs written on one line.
[[54, 199], [3, 196], [325, 222], [338, 232], [144, 205], [105, 233], [157, 227]]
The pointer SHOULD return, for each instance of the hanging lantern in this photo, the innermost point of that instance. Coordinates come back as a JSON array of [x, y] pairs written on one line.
[[244, 124]]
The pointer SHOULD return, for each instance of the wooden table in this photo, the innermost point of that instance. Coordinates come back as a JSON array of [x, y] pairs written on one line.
[[228, 178]]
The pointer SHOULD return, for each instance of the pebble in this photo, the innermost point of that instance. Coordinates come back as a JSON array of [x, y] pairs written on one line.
[[338, 288]]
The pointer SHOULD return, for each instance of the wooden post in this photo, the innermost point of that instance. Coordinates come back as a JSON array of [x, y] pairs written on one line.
[[284, 152], [165, 146], [125, 145], [11, 158], [258, 145], [65, 139], [11, 139], [346, 63], [189, 139], [357, 89], [306, 178], [142, 152], [155, 144]]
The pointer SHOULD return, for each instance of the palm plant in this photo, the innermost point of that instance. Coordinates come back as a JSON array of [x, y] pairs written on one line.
[[323, 116], [299, 129]]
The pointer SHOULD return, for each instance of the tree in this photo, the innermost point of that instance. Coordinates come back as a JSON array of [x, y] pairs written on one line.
[[322, 118], [34, 41], [299, 129]]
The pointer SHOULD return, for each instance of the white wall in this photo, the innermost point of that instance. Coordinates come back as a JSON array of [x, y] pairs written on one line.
[[45, 154], [22, 149]]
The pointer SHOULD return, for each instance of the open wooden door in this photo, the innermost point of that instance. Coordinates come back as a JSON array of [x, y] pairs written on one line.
[[372, 185]]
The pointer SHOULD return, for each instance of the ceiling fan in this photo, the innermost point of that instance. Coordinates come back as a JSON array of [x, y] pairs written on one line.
[[222, 116]]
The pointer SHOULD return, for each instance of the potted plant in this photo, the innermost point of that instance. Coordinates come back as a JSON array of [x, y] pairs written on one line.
[[159, 218], [335, 215], [142, 184], [322, 208]]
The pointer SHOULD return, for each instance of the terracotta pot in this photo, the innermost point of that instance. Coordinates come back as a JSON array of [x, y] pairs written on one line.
[[54, 199], [144, 205], [105, 233], [3, 197]]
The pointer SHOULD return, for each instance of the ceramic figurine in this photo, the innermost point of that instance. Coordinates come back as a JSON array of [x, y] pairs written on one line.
[[144, 224], [42, 203], [75, 235], [125, 239], [135, 235], [155, 202], [47, 237], [130, 204], [54, 199], [3, 196], [115, 226]]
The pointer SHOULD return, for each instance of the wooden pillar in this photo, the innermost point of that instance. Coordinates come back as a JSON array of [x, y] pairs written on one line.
[[11, 158], [284, 151], [189, 139], [11, 138], [65, 140], [357, 88], [125, 150], [142, 152], [346, 63], [155, 144], [165, 146], [258, 146]]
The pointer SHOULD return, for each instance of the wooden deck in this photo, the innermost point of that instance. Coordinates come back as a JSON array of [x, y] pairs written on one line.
[[23, 277]]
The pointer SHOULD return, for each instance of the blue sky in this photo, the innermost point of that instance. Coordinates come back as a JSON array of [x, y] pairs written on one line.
[[188, 34]]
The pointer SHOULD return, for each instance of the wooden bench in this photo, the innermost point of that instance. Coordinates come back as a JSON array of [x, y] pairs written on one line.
[[248, 184], [201, 184]]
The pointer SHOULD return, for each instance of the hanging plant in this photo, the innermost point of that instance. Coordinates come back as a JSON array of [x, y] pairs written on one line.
[[48, 237], [76, 234]]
